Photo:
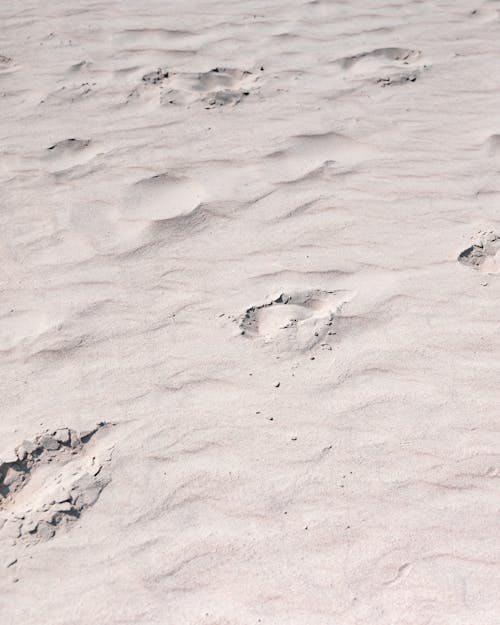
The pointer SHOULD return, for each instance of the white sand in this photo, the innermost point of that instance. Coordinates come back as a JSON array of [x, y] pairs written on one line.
[[252, 277]]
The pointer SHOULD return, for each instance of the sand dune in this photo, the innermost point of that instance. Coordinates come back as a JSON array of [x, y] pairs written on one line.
[[249, 322]]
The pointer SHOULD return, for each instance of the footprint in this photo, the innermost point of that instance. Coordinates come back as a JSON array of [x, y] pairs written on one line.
[[217, 87], [484, 253], [49, 482], [295, 321]]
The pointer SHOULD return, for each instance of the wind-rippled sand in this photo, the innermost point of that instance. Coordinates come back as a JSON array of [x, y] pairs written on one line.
[[249, 321]]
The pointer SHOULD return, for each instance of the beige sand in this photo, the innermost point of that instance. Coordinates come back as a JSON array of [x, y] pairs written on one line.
[[257, 244]]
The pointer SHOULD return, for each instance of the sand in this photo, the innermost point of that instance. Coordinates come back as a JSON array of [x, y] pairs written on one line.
[[249, 325]]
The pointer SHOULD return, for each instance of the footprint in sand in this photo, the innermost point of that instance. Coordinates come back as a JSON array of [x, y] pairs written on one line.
[[218, 87], [484, 253], [295, 321], [47, 483], [386, 60]]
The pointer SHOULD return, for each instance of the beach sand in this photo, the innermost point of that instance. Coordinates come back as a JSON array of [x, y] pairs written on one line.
[[249, 321]]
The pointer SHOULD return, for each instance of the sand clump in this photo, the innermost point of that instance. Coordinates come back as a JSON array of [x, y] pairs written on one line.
[[48, 482], [484, 253]]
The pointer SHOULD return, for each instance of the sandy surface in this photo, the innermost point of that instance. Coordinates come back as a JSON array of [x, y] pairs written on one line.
[[249, 321]]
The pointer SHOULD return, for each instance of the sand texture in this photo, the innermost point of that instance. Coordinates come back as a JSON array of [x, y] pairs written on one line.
[[249, 314]]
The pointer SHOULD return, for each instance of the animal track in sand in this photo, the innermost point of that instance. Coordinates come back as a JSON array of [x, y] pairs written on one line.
[[47, 483], [295, 321], [217, 87], [484, 253]]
